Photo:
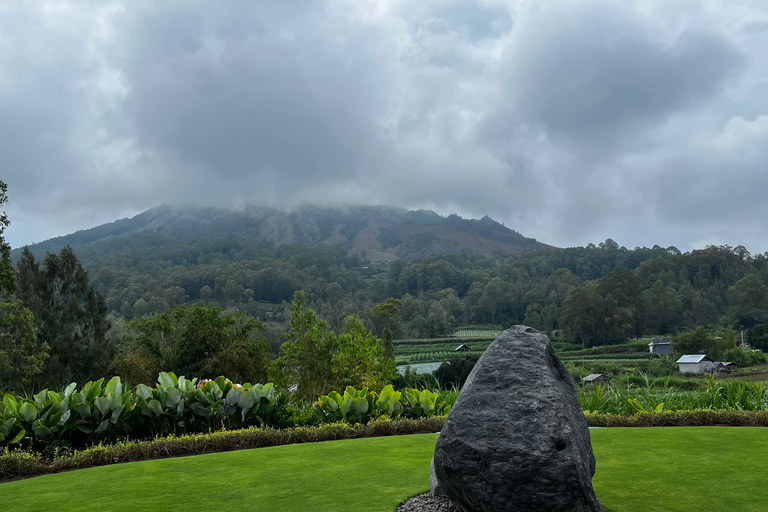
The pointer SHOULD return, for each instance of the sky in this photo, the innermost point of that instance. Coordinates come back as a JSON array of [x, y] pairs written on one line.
[[570, 121]]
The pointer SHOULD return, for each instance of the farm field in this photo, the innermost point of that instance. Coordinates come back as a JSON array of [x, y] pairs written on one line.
[[638, 470]]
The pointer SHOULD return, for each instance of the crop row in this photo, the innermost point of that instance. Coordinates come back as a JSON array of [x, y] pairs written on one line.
[[99, 412], [729, 395]]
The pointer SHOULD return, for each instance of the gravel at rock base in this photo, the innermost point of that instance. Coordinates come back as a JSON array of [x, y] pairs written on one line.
[[427, 503]]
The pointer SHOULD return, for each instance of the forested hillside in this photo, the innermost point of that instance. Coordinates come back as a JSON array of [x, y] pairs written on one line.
[[590, 295]]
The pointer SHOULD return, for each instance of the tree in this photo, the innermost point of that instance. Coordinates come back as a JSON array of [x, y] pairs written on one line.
[[748, 299], [306, 358], [200, 341], [359, 358], [388, 310], [70, 316], [22, 355], [7, 274], [713, 343]]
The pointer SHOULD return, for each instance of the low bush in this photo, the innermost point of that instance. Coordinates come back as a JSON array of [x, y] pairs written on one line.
[[23, 463], [694, 418]]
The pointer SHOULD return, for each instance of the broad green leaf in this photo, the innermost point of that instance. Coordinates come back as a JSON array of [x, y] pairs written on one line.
[[28, 411], [233, 396], [18, 437], [155, 407], [114, 386], [64, 417], [102, 404], [70, 389], [143, 391], [116, 415], [165, 380], [173, 398], [40, 398], [104, 425], [247, 400], [200, 410], [95, 390], [83, 410], [8, 425], [84, 427], [115, 400], [42, 431], [11, 404]]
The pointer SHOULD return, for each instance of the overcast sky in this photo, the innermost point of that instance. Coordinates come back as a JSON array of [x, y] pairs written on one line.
[[571, 122]]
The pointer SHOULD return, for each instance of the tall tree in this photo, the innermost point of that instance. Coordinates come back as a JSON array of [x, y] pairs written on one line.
[[388, 310], [22, 354], [306, 358], [70, 316], [359, 358]]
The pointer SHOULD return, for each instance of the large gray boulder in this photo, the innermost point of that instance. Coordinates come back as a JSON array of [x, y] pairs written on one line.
[[516, 439]]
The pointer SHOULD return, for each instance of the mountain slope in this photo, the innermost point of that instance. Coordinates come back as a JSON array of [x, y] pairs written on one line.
[[383, 233]]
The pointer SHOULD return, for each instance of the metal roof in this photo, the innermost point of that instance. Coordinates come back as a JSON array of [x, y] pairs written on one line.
[[593, 376], [693, 358], [654, 342]]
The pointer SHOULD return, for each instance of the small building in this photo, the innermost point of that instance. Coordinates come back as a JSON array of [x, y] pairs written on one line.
[[462, 348], [596, 378], [661, 346], [697, 363], [727, 367]]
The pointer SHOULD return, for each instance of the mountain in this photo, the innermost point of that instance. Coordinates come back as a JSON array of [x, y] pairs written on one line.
[[382, 233]]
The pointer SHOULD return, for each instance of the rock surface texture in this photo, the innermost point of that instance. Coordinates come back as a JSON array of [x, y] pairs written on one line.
[[516, 440]]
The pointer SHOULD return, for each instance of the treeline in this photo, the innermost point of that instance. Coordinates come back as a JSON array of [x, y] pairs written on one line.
[[591, 295]]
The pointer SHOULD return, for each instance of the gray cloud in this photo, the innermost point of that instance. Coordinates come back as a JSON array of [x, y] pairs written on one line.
[[571, 121]]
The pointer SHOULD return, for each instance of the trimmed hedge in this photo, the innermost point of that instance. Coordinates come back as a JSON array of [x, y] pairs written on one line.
[[16, 464], [693, 418]]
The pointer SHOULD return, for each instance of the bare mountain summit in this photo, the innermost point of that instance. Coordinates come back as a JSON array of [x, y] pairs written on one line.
[[385, 233]]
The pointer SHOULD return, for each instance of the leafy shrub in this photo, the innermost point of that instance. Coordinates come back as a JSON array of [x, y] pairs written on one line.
[[360, 406], [103, 412]]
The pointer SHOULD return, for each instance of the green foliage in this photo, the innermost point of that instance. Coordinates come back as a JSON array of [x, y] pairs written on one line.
[[22, 354], [727, 395], [197, 340], [315, 360], [388, 310], [101, 411], [70, 316], [711, 342], [363, 405]]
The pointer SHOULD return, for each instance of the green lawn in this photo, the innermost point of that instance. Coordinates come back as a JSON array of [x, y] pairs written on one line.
[[638, 470]]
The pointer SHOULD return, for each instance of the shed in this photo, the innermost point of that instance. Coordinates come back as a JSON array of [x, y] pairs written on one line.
[[727, 367], [660, 346], [696, 363], [462, 348], [596, 378]]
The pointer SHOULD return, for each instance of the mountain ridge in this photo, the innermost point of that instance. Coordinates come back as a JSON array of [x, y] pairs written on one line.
[[382, 233]]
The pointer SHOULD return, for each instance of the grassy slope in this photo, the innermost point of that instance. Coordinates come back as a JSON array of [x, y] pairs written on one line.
[[639, 470]]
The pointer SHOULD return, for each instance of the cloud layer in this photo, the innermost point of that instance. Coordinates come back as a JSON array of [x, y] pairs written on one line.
[[571, 121]]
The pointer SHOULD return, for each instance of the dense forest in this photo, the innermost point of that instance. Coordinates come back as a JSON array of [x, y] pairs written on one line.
[[591, 295]]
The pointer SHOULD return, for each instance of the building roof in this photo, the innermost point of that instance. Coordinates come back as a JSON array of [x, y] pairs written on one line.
[[460, 347], [594, 376], [660, 341], [693, 358]]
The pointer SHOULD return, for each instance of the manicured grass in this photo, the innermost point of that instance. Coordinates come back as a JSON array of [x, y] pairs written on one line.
[[682, 469], [638, 470]]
